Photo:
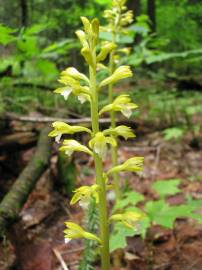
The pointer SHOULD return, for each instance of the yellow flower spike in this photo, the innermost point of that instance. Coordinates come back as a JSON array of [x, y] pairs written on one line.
[[121, 104], [105, 50], [61, 128], [132, 165], [120, 73], [84, 194], [99, 143], [129, 218], [86, 24], [123, 131], [70, 146], [82, 38], [75, 74], [75, 231]]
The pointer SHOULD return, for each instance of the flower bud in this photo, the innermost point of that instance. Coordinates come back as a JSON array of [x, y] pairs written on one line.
[[82, 37], [86, 24], [105, 50], [95, 27], [75, 74], [87, 56]]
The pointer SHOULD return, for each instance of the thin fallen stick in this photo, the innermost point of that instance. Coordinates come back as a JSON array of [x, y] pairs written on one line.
[[60, 259], [142, 149], [47, 119], [72, 250]]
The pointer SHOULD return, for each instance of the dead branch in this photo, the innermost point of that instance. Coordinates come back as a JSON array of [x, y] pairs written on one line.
[[47, 119], [17, 141]]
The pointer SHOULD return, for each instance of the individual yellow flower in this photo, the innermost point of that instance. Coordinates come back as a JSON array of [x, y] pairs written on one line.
[[61, 128], [129, 218], [75, 231], [99, 143], [121, 104], [122, 130], [132, 165], [84, 194], [70, 146]]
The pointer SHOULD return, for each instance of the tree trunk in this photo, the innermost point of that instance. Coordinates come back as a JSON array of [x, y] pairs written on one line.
[[18, 194], [24, 12], [151, 11], [135, 6]]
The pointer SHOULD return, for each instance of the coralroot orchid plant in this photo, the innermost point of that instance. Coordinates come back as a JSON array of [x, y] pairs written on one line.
[[87, 88]]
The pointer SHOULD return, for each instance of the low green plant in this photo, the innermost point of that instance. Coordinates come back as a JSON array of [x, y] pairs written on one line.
[[87, 89], [157, 212]]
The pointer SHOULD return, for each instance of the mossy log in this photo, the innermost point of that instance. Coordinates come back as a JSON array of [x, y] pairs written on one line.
[[18, 194]]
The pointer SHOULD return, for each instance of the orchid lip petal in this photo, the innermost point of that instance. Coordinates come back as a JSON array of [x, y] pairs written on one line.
[[67, 240], [127, 112], [68, 152], [82, 99], [66, 93], [58, 137]]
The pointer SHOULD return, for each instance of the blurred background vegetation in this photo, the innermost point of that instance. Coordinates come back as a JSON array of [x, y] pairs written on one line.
[[37, 41]]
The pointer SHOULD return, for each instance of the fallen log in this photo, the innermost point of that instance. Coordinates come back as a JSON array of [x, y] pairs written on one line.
[[18, 194], [46, 119], [17, 141]]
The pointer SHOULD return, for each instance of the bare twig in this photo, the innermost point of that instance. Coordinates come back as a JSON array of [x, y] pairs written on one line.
[[60, 259], [73, 250], [47, 119]]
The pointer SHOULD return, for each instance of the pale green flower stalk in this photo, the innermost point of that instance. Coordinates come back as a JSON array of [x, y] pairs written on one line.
[[118, 18], [86, 89]]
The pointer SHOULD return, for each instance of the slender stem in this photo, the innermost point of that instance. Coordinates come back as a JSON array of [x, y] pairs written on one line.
[[103, 216], [114, 149]]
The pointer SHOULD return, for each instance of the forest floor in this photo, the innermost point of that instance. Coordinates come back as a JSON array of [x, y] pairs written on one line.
[[36, 241]]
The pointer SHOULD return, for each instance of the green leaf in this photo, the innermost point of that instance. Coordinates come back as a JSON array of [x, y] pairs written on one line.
[[159, 213], [162, 214], [28, 46], [35, 29], [166, 187], [119, 236], [47, 68], [6, 35], [129, 198], [173, 133]]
